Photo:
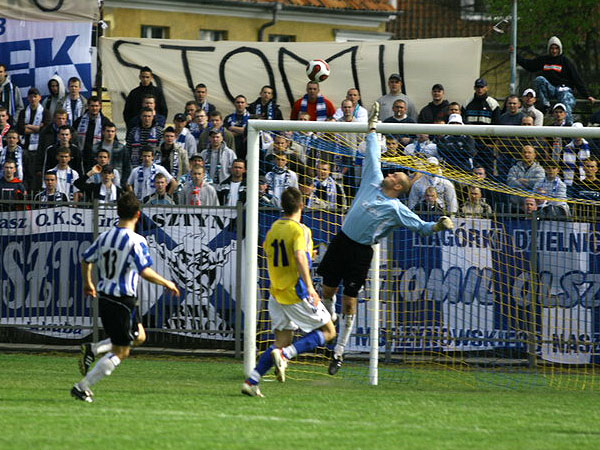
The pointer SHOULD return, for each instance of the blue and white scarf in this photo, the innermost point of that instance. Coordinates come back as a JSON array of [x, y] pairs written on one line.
[[270, 110], [83, 127], [34, 138], [7, 97], [136, 142], [173, 160], [18, 157], [143, 182], [321, 107], [328, 185], [572, 159], [72, 116]]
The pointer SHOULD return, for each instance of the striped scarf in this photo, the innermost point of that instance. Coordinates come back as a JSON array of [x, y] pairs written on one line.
[[269, 113], [169, 161], [146, 136], [17, 155], [572, 160], [7, 98], [72, 116], [321, 108], [34, 138], [83, 128], [324, 191], [142, 181]]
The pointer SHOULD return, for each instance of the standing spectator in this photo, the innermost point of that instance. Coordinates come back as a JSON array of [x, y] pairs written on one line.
[[50, 192], [460, 151], [119, 157], [11, 188], [183, 135], [89, 130], [430, 207], [436, 109], [215, 122], [233, 189], [314, 103], [528, 100], [359, 113], [74, 103], [10, 96], [446, 192], [4, 124], [482, 109], [326, 193], [94, 175], [64, 142], [265, 200], [56, 94], [280, 178], [196, 191], [31, 120], [195, 161], [147, 134], [573, 156], [13, 151], [475, 205], [513, 115], [190, 111], [525, 174], [106, 190], [553, 187], [133, 102], [141, 179], [265, 106], [201, 95], [400, 116], [236, 123], [49, 134], [199, 124], [386, 102], [218, 157], [160, 196], [558, 77], [148, 101], [560, 119], [172, 155], [66, 176]]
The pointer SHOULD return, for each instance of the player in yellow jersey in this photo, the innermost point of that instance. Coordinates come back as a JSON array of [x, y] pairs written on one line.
[[293, 302]]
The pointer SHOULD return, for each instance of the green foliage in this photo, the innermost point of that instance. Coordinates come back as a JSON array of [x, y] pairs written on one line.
[[196, 403]]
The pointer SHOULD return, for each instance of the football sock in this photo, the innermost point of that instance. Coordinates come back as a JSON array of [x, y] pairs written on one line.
[[103, 368], [103, 346], [265, 362], [348, 320], [305, 344]]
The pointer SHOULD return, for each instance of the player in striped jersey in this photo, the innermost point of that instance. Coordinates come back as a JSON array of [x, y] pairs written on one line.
[[121, 256], [293, 303]]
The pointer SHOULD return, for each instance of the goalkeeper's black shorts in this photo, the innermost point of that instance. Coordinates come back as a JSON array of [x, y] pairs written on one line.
[[120, 318], [346, 260]]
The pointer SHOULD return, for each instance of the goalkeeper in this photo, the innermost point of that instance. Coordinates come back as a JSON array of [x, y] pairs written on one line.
[[375, 212]]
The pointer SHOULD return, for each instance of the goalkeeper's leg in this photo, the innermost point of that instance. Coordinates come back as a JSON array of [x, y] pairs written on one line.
[[348, 318]]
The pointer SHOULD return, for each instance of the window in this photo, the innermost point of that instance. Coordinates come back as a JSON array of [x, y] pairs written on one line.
[[213, 35], [282, 38], [153, 32]]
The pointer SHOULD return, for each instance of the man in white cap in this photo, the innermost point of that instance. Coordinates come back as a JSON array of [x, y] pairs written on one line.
[[528, 100], [559, 77], [458, 151]]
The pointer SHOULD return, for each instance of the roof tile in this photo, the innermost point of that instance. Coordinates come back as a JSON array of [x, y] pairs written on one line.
[[365, 5]]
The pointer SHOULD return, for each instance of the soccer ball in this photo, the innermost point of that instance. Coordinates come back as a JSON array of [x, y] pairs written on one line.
[[317, 70]]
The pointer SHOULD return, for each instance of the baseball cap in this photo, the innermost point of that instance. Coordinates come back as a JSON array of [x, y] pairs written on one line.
[[107, 169], [529, 91], [396, 76], [196, 156], [480, 82], [262, 180], [179, 117], [437, 87], [559, 106], [455, 118], [214, 131]]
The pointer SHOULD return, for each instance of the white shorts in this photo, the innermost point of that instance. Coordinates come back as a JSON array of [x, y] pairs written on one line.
[[301, 315]]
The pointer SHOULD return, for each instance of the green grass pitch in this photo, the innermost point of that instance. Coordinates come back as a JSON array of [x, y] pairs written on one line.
[[178, 403]]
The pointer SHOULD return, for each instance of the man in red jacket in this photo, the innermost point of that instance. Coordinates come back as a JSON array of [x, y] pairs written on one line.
[[313, 102], [11, 188]]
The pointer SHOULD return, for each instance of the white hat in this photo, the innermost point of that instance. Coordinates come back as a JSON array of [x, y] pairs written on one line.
[[529, 91], [577, 125], [455, 118], [433, 160], [559, 105]]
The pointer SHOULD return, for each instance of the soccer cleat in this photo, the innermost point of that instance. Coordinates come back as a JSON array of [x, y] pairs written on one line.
[[251, 390], [280, 363], [374, 116], [84, 396], [335, 365], [443, 223], [86, 358]]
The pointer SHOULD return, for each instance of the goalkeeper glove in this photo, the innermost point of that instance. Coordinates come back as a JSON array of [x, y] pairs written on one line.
[[444, 223]]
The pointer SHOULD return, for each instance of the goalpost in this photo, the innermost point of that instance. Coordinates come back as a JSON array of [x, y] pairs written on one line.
[[510, 298]]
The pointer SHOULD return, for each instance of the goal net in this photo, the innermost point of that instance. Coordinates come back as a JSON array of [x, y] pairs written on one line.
[[510, 296]]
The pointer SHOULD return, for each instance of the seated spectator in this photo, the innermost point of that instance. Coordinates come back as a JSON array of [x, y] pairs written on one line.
[[445, 189], [236, 123], [553, 187], [559, 116], [172, 154], [233, 189], [326, 193], [119, 159], [529, 205], [436, 109], [196, 192], [459, 151], [551, 210], [314, 103], [215, 121], [400, 116], [573, 156], [265, 106], [588, 189], [392, 149], [430, 206], [141, 179], [183, 135], [106, 191], [11, 188], [280, 178], [513, 114], [422, 147], [528, 107], [12, 150], [102, 160], [148, 134], [160, 196], [357, 111], [476, 206], [50, 193], [218, 157], [66, 176], [525, 174]]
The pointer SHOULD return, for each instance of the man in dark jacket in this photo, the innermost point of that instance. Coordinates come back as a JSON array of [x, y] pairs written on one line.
[[437, 109], [133, 103]]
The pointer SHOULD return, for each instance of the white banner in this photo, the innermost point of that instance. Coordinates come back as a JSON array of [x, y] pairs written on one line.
[[33, 52], [50, 10], [232, 68]]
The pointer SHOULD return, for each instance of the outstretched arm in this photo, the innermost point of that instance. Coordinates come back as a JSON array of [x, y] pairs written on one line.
[[150, 275]]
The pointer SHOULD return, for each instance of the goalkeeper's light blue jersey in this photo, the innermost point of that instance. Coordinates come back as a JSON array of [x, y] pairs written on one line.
[[373, 215]]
